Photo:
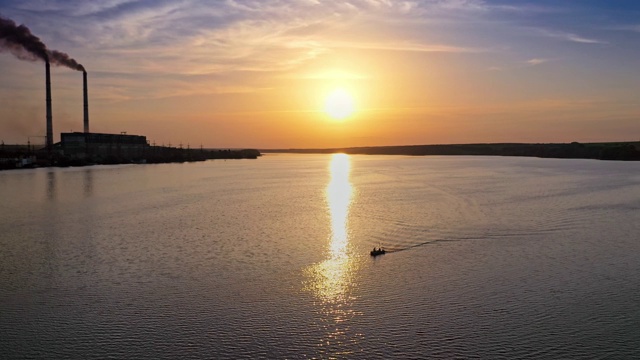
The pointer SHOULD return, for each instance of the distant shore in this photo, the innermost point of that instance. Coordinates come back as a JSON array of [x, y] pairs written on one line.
[[628, 151]]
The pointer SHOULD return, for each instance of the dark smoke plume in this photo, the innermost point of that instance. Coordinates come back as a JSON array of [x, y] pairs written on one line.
[[21, 42], [18, 40], [59, 58]]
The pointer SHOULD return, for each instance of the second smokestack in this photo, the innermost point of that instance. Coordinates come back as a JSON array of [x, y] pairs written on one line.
[[48, 99], [86, 102]]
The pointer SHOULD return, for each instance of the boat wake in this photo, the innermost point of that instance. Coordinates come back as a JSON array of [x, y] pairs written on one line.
[[396, 248]]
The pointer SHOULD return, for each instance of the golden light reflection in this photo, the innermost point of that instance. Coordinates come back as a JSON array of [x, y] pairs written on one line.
[[339, 193], [332, 280]]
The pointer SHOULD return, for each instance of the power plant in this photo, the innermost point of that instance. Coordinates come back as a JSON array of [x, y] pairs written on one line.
[[86, 145], [84, 148], [49, 123], [92, 147]]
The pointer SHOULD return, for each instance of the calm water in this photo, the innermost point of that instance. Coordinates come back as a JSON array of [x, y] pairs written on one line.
[[513, 258]]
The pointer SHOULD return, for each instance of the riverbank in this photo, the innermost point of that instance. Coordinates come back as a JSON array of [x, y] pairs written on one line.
[[19, 156], [629, 151]]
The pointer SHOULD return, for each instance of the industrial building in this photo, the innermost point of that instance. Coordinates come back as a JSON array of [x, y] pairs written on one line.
[[84, 145]]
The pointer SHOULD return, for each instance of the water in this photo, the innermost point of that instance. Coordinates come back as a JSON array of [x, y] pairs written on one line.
[[512, 258]]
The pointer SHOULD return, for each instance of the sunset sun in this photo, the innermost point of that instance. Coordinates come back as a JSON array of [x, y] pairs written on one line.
[[339, 104]]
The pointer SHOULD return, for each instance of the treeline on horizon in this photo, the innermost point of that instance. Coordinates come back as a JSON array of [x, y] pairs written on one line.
[[162, 154], [574, 150]]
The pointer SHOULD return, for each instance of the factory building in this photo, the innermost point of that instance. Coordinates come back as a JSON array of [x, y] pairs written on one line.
[[103, 146]]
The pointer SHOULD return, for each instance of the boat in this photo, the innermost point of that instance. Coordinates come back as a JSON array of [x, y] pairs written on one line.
[[379, 251]]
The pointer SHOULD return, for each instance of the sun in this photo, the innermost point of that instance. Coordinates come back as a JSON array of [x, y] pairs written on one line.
[[339, 104]]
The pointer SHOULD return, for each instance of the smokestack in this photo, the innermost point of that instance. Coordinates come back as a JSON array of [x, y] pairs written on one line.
[[86, 102], [49, 121]]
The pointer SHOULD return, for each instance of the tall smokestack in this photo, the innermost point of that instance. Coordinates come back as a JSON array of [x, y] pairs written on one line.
[[86, 102], [49, 121]]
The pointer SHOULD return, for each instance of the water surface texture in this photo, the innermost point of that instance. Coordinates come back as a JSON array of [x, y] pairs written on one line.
[[489, 257]]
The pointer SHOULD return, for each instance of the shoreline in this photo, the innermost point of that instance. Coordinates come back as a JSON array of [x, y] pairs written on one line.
[[626, 151], [19, 158]]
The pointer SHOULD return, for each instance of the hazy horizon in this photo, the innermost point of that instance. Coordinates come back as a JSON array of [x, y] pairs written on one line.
[[248, 74]]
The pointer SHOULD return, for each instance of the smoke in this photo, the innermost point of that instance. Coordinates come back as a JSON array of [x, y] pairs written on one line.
[[59, 58], [18, 40], [21, 42]]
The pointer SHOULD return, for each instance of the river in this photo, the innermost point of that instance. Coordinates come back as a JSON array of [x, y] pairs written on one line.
[[487, 257]]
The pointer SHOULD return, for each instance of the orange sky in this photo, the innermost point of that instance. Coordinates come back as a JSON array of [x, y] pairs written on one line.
[[255, 74]]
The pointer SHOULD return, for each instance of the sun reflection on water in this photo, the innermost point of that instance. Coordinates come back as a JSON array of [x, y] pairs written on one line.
[[339, 193], [331, 280]]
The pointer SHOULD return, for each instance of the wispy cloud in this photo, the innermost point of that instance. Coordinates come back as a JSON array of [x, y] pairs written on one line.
[[183, 40], [404, 46], [570, 37], [632, 27], [520, 65], [527, 9], [536, 61], [198, 37]]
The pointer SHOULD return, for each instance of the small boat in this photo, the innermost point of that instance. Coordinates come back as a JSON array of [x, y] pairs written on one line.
[[379, 251]]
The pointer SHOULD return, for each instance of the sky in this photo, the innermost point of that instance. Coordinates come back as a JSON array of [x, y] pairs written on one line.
[[256, 74]]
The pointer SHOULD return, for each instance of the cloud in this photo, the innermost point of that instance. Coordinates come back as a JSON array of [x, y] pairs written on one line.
[[580, 39], [334, 74], [520, 65], [272, 35], [182, 40], [570, 37], [404, 46], [634, 27], [536, 61]]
